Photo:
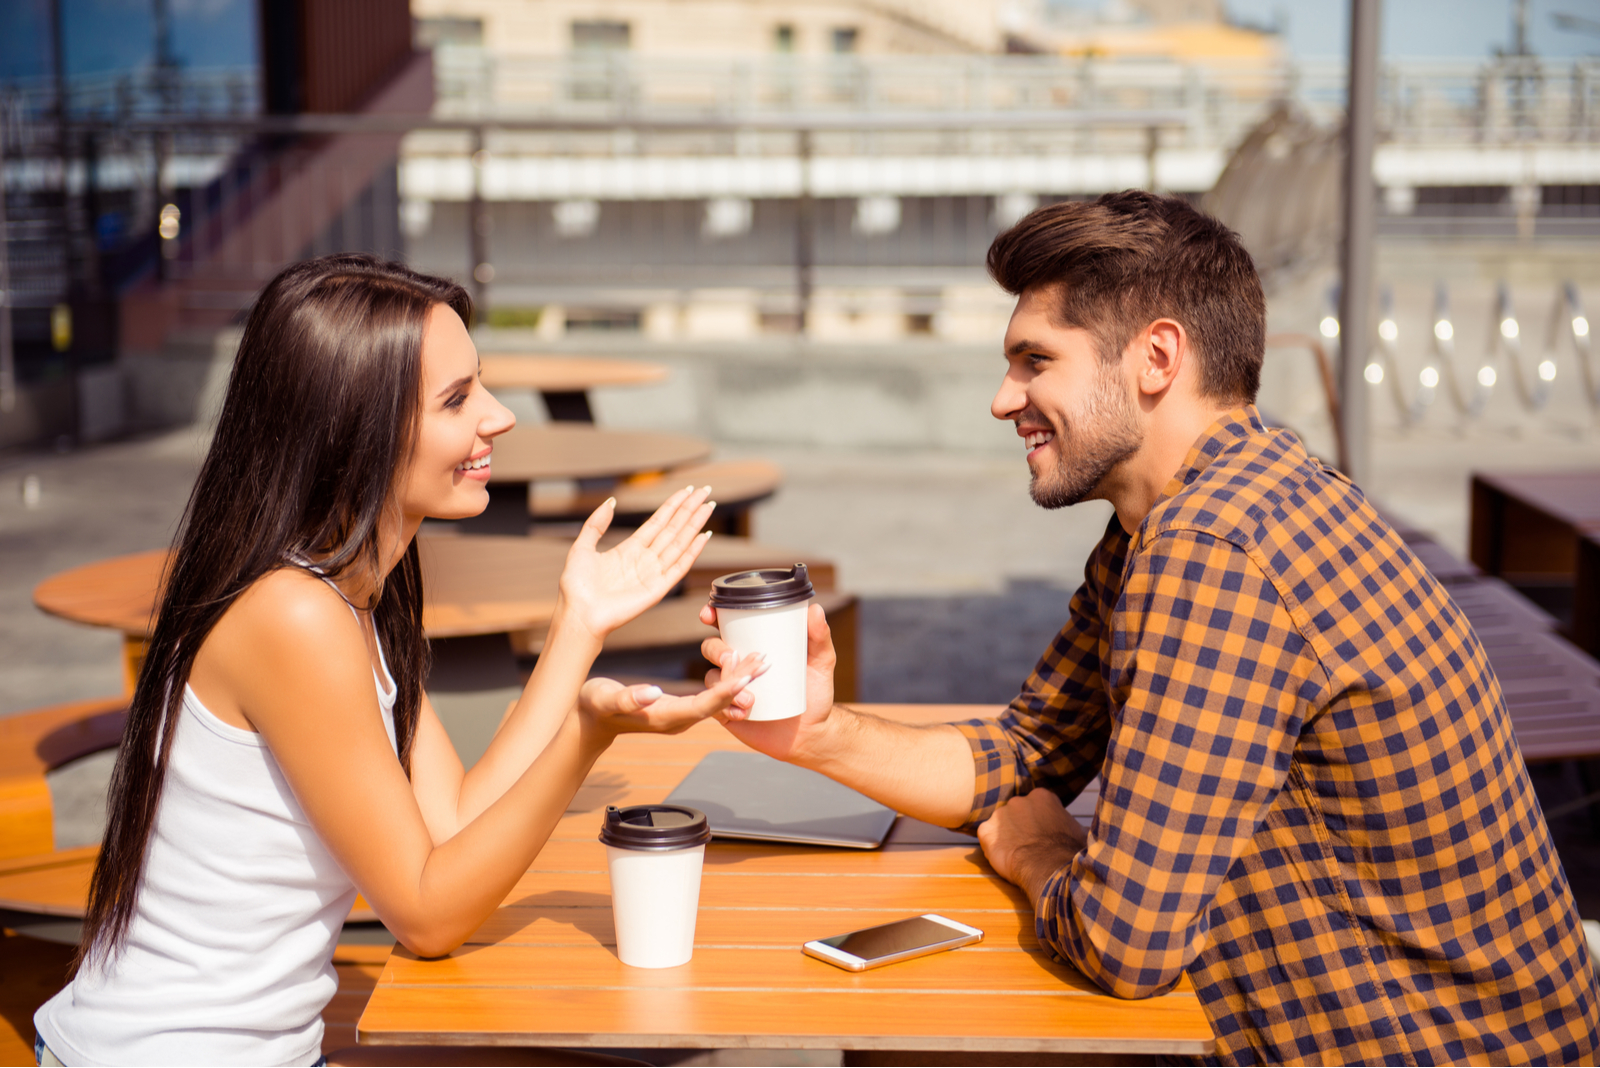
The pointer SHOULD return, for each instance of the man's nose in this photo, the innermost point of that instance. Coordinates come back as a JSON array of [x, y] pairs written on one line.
[[1011, 399]]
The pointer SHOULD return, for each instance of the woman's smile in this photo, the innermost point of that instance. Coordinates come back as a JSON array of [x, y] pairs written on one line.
[[476, 466]]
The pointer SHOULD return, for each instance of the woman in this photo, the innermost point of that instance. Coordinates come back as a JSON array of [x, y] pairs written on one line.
[[280, 753]]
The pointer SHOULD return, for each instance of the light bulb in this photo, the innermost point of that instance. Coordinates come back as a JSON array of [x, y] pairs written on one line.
[[1387, 330], [1429, 377], [1508, 328], [1486, 377], [1374, 373], [1580, 326], [1330, 326], [1443, 330], [1547, 370]]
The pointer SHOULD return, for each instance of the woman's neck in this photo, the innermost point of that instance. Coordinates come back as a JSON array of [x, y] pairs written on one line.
[[360, 587]]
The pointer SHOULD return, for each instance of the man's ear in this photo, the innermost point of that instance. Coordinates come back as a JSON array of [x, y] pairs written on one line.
[[1160, 350]]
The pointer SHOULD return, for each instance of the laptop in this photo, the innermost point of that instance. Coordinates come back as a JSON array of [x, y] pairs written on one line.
[[750, 796]]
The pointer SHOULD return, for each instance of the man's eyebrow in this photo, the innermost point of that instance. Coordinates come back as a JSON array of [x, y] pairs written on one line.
[[464, 380], [1017, 348]]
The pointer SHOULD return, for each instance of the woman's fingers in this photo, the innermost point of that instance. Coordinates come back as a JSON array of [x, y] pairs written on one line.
[[658, 519], [687, 510], [597, 524], [673, 572], [685, 535]]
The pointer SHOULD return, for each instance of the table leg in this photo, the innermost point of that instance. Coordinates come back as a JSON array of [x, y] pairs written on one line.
[[507, 512], [568, 406], [1586, 595], [133, 650]]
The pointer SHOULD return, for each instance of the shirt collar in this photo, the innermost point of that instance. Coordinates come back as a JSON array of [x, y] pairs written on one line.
[[1235, 426]]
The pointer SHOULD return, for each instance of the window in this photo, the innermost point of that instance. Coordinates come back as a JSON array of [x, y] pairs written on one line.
[[428, 33], [601, 36], [783, 38], [845, 39]]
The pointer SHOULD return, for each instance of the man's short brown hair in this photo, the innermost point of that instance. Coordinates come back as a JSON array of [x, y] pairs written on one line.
[[1122, 261]]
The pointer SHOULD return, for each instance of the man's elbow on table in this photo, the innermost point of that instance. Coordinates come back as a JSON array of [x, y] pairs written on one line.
[[1132, 960]]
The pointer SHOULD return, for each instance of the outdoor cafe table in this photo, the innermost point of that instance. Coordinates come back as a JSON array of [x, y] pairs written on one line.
[[542, 970], [564, 381], [560, 451], [1537, 528]]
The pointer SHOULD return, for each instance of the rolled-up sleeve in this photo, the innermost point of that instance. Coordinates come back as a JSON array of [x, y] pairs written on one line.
[[1054, 732], [1209, 680]]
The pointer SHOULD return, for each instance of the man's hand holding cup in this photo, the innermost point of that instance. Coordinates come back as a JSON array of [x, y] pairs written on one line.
[[785, 739]]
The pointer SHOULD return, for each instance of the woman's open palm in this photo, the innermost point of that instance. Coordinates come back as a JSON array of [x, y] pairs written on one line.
[[607, 589]]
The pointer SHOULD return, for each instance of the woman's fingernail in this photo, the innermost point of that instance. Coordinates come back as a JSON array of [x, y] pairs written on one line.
[[706, 488], [744, 681], [609, 500], [648, 693]]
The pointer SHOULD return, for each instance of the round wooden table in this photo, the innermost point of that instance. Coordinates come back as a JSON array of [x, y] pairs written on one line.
[[478, 585], [564, 374], [564, 381], [574, 451]]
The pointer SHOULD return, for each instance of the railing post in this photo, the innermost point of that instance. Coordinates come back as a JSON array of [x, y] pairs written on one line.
[[804, 236], [478, 224], [1355, 268], [8, 367]]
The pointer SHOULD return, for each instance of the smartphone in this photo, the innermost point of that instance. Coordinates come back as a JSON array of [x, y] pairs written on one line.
[[873, 947]]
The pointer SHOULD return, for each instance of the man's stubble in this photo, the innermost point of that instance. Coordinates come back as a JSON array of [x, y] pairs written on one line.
[[1100, 435]]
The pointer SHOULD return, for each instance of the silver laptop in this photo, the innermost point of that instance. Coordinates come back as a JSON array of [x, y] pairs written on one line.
[[747, 795]]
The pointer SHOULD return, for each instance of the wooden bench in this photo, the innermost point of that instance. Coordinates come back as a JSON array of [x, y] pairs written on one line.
[[736, 485], [1551, 687]]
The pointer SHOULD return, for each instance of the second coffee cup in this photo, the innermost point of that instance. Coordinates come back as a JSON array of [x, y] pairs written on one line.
[[653, 856], [764, 611]]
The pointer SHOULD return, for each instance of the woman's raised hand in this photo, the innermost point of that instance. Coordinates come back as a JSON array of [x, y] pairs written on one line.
[[630, 709], [604, 590]]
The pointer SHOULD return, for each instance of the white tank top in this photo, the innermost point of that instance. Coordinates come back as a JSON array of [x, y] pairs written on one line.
[[229, 956]]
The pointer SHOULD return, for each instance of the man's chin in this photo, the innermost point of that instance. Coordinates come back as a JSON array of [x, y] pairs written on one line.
[[1054, 494]]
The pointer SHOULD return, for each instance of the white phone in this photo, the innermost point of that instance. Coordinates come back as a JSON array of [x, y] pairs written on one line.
[[873, 947]]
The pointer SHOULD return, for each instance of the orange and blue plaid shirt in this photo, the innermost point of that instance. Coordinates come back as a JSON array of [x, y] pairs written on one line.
[[1311, 799]]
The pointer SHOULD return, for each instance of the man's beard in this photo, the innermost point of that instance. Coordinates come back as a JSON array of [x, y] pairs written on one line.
[[1102, 433]]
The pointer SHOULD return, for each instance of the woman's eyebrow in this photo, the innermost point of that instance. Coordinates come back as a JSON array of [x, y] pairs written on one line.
[[464, 380]]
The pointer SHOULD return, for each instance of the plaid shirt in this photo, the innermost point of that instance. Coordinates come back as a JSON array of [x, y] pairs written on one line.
[[1311, 799]]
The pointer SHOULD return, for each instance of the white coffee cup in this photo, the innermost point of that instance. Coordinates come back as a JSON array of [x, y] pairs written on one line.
[[653, 855], [764, 611]]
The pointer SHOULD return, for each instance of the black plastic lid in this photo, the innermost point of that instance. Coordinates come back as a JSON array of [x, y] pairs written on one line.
[[772, 587], [654, 827]]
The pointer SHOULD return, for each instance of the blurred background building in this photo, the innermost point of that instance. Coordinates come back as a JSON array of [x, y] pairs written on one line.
[[791, 200]]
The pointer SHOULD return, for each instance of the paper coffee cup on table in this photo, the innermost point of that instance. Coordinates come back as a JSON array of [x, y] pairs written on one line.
[[764, 611], [653, 855]]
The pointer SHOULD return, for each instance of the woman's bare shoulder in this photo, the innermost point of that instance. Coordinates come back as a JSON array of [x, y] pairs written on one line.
[[291, 609]]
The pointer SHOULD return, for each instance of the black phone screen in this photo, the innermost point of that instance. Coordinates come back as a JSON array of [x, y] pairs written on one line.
[[891, 938]]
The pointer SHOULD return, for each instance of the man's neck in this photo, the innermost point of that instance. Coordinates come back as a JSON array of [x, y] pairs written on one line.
[[1135, 485]]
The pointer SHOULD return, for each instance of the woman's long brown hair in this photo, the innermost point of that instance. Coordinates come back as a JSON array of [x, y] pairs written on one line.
[[319, 420]]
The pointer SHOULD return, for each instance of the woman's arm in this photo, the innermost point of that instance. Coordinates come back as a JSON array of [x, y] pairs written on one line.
[[293, 658], [599, 592]]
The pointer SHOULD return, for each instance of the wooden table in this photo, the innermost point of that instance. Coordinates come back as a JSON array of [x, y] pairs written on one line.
[[543, 970], [1529, 527], [564, 451], [564, 381]]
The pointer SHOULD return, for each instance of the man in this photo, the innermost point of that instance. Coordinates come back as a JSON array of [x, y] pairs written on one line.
[[1311, 798]]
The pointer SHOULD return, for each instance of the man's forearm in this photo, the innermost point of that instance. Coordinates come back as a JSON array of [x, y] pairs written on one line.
[[925, 772]]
